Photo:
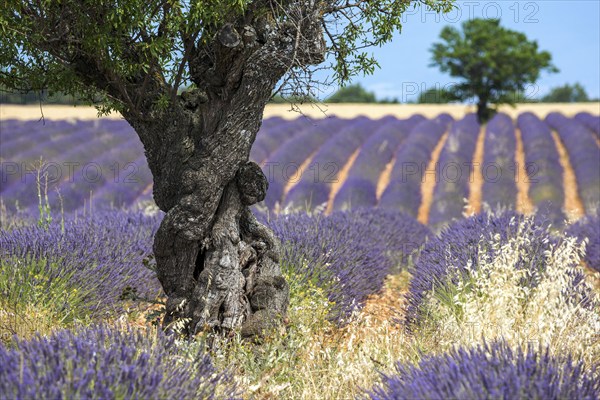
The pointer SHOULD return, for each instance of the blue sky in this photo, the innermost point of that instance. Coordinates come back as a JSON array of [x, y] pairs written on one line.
[[569, 30]]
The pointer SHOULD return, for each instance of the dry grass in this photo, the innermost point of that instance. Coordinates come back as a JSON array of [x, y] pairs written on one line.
[[28, 322], [491, 303], [314, 359]]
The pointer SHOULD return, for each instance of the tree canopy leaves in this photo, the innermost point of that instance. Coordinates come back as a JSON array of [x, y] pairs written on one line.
[[131, 52]]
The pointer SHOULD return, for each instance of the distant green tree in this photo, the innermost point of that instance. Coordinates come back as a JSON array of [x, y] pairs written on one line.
[[566, 94], [33, 97], [436, 96], [279, 99], [352, 94], [492, 62], [389, 100]]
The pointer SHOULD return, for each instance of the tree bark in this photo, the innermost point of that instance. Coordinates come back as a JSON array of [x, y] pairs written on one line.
[[218, 266], [483, 111]]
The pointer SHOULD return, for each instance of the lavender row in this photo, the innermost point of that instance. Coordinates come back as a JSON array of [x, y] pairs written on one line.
[[125, 192], [360, 189], [453, 172], [491, 371], [348, 253], [75, 170], [588, 229], [38, 136], [80, 145], [284, 164], [104, 255], [14, 131], [592, 122], [27, 135], [584, 155], [500, 190], [356, 193], [314, 189], [273, 134], [404, 190], [119, 169], [544, 172], [97, 166], [103, 362]]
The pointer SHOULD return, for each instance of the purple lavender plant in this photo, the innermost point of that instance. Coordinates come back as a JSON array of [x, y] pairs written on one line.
[[104, 255], [588, 227], [404, 190], [355, 193], [491, 371], [83, 157], [379, 148], [284, 163], [273, 133], [454, 172], [499, 188], [545, 174], [307, 195], [592, 122], [24, 136], [348, 253], [584, 155], [100, 362], [445, 119], [328, 162]]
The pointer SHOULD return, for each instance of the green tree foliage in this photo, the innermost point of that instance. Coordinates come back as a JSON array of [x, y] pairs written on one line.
[[436, 96], [566, 94], [491, 62], [112, 49], [352, 94]]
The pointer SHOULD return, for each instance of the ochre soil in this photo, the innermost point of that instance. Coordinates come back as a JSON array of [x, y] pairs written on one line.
[[476, 179], [429, 181], [301, 170], [384, 178], [524, 204], [389, 303], [339, 180], [573, 206]]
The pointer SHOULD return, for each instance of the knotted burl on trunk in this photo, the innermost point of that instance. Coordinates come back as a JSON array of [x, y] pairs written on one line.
[[238, 278]]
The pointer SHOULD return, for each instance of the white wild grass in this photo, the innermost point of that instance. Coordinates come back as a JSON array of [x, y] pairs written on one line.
[[490, 302]]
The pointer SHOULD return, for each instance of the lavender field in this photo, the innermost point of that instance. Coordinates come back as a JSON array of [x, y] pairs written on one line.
[[424, 261], [329, 164]]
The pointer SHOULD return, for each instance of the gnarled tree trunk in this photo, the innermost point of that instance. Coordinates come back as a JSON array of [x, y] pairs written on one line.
[[217, 264]]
